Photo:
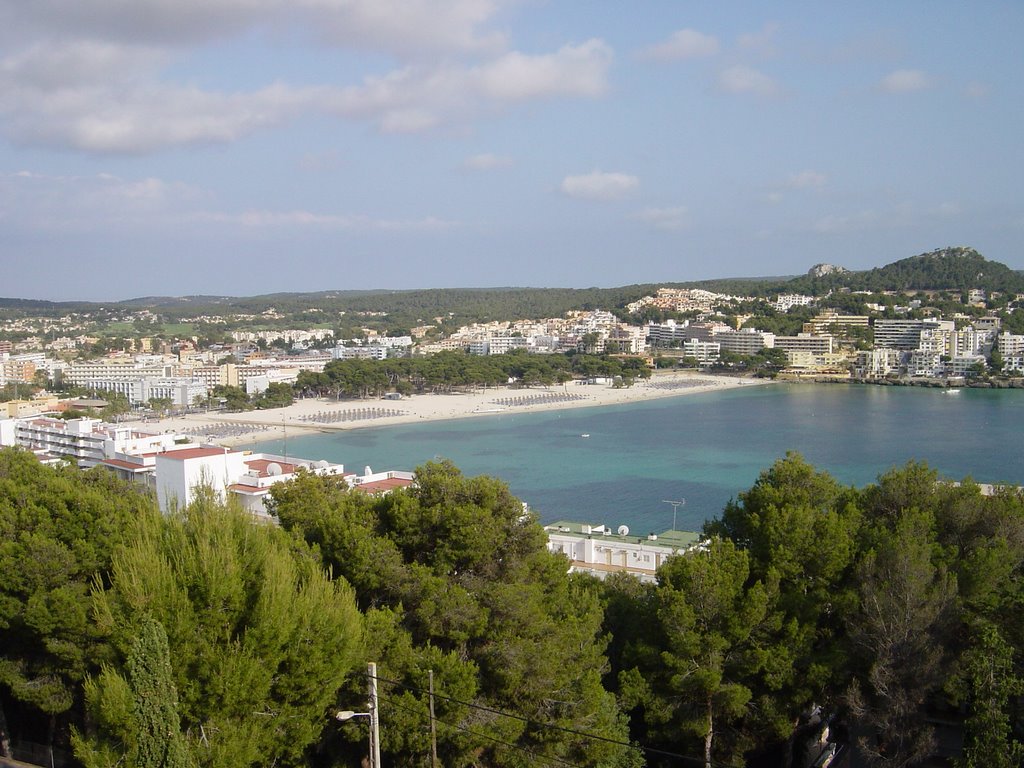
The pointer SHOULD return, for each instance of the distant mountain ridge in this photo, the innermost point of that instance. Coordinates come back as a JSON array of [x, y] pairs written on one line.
[[945, 269]]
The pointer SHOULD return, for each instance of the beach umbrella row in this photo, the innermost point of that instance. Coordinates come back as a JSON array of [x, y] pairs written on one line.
[[547, 398]]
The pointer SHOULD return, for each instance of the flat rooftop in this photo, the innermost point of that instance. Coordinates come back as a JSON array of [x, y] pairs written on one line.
[[667, 538]]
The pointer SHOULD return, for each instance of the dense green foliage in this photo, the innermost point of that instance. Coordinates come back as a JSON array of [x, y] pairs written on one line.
[[202, 639], [883, 604], [455, 577], [138, 712], [260, 638], [945, 269], [58, 529], [448, 371]]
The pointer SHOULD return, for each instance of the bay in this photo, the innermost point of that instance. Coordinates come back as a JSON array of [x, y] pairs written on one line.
[[703, 449]]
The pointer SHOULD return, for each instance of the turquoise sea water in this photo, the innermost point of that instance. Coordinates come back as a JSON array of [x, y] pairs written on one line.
[[704, 448]]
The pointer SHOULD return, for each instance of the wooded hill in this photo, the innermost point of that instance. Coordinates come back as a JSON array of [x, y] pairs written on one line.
[[946, 269]]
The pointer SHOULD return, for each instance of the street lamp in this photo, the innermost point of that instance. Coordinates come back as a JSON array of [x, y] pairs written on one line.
[[348, 714]]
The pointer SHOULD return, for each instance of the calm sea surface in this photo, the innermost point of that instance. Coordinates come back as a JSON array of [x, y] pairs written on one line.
[[701, 448]]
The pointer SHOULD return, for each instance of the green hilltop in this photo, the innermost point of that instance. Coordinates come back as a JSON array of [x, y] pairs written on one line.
[[945, 269]]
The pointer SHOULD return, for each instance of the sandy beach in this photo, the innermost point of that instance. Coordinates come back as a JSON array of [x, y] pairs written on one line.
[[328, 415]]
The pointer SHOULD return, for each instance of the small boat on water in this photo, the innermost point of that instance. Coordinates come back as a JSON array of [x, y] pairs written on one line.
[[585, 434], [951, 391]]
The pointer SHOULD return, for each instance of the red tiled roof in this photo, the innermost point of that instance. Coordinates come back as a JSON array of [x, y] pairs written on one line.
[[260, 465], [248, 490], [125, 464], [380, 486]]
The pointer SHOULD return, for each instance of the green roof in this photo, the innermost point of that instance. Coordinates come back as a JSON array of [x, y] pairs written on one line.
[[668, 538]]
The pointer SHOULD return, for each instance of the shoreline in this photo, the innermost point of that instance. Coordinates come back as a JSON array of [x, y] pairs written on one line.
[[324, 415]]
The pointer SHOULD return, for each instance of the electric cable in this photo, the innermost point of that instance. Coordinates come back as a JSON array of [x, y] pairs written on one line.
[[584, 734], [547, 758]]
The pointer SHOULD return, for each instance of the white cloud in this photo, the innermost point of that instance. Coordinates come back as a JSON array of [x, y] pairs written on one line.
[[665, 218], [108, 98], [574, 70], [807, 180], [905, 81], [145, 117], [684, 44], [402, 27], [599, 186], [415, 99], [486, 162], [105, 202], [742, 79], [91, 76], [85, 203]]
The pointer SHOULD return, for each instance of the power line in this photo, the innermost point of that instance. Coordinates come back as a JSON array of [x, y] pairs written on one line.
[[528, 721], [549, 759]]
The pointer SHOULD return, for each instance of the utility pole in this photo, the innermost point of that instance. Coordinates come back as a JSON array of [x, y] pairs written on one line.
[[433, 727], [371, 673]]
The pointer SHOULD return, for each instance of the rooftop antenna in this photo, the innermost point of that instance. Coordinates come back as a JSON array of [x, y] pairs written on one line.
[[676, 504]]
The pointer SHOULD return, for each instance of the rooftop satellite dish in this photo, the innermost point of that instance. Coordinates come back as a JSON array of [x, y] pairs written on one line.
[[323, 464], [367, 471], [273, 469], [623, 530]]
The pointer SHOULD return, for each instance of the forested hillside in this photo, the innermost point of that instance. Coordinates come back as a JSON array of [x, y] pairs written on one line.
[[947, 269]]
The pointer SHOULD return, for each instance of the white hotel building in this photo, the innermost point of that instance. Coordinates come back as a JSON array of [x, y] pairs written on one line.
[[597, 550], [248, 477]]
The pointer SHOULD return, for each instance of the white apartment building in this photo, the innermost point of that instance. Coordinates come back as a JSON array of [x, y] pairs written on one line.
[[747, 341], [291, 336], [704, 352], [667, 334], [828, 318], [368, 352], [82, 374], [787, 301], [181, 391], [255, 385], [876, 363], [806, 342], [497, 345], [86, 441], [227, 375], [1011, 347], [248, 477], [310, 361], [597, 550], [963, 365], [906, 334], [925, 363], [393, 342], [626, 339]]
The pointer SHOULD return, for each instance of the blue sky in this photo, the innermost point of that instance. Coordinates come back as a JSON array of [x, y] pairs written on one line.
[[167, 147]]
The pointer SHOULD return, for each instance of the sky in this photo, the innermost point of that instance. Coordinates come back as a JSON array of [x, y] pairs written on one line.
[[243, 147]]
